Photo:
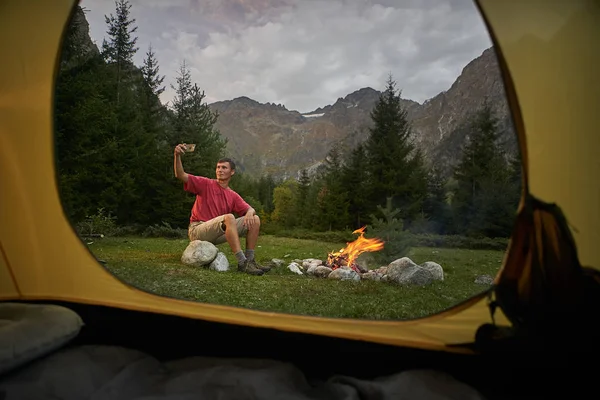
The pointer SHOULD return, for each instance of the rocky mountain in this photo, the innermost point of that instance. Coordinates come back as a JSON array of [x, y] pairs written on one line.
[[78, 37], [269, 138]]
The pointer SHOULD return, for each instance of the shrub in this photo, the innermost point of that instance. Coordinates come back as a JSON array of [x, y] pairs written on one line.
[[165, 230], [97, 224], [390, 229]]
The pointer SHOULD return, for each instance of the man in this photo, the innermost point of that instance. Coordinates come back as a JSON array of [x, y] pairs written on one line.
[[212, 218]]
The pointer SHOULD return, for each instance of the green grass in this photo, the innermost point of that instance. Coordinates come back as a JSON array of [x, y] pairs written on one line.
[[154, 265]]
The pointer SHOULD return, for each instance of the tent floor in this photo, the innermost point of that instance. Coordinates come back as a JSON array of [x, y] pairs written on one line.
[[501, 374]]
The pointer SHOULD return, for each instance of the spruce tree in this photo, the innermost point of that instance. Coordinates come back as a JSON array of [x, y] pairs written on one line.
[[303, 209], [121, 46], [153, 82], [333, 206], [157, 153], [417, 193], [395, 167], [150, 73], [181, 101], [436, 205], [355, 178], [153, 112], [481, 177], [389, 228], [266, 186], [83, 116]]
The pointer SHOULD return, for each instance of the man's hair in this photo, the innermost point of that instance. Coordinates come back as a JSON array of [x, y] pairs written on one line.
[[229, 160]]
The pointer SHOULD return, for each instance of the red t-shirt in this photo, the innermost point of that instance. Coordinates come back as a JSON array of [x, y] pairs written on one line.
[[212, 200]]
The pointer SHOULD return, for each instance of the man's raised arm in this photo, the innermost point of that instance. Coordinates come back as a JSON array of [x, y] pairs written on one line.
[[179, 172]]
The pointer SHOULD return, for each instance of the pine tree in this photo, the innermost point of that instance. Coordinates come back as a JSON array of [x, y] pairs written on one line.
[[303, 209], [417, 193], [266, 186], [436, 205], [121, 46], [354, 178], [333, 207], [150, 73], [395, 168], [154, 144], [152, 109], [181, 100], [83, 117], [129, 145], [481, 176]]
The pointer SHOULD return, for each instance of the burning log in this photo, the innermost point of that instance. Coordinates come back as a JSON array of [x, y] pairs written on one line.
[[346, 256], [341, 261]]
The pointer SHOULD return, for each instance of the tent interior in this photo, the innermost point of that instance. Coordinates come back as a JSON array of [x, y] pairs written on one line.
[[69, 329]]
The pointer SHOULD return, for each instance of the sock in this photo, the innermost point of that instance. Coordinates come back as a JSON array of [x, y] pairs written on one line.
[[250, 254], [240, 256]]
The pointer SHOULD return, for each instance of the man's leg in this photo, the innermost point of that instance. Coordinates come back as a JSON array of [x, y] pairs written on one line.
[[233, 229], [231, 233], [252, 235], [251, 240], [208, 231]]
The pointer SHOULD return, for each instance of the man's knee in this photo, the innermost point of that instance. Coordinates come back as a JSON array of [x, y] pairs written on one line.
[[228, 221], [256, 224]]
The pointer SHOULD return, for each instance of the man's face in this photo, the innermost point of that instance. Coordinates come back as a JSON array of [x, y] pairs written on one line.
[[224, 170]]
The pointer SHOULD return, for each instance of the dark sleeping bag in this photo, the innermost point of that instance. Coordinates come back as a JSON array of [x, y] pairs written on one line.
[[42, 367]]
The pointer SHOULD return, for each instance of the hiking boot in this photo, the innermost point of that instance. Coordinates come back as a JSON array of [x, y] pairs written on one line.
[[263, 268], [248, 268]]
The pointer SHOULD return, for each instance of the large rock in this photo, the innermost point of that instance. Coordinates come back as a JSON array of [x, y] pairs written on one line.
[[344, 274], [220, 263], [405, 272], [435, 269], [199, 253], [322, 271]]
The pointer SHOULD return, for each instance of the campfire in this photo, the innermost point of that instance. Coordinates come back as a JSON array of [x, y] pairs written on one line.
[[348, 255]]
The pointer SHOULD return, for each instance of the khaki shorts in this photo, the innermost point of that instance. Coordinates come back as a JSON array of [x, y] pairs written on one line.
[[211, 231]]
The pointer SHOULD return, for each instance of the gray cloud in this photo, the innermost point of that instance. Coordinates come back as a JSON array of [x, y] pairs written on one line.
[[305, 53]]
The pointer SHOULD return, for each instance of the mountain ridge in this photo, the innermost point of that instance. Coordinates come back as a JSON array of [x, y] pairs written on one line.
[[269, 138]]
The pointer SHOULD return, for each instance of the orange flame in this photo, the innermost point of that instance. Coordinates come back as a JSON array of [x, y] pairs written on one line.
[[356, 248]]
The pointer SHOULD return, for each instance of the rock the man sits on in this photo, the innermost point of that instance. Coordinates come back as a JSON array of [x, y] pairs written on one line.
[[212, 218]]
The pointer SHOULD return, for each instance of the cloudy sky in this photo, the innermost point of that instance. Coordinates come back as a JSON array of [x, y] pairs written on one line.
[[304, 54]]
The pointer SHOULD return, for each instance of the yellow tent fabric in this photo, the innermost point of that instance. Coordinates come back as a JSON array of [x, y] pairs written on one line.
[[549, 54]]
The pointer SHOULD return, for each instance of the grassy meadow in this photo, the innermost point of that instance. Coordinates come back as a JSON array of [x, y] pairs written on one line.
[[153, 264]]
